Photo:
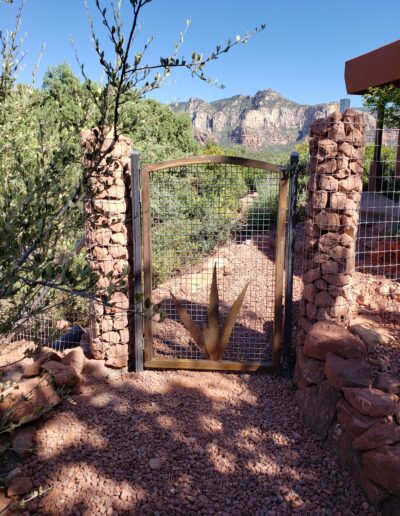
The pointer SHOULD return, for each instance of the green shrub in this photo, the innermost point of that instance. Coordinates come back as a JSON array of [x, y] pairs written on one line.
[[264, 211]]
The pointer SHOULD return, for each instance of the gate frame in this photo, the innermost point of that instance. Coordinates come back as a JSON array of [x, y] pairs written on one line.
[[143, 345]]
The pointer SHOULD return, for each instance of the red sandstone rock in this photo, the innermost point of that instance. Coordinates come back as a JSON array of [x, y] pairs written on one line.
[[376, 494], [330, 267], [319, 407], [31, 366], [352, 421], [379, 434], [382, 466], [311, 370], [76, 359], [325, 337], [117, 356], [311, 275], [341, 372], [19, 486], [323, 299], [388, 383], [23, 442], [64, 375], [371, 402], [328, 183], [339, 280], [32, 398], [310, 292], [319, 199]]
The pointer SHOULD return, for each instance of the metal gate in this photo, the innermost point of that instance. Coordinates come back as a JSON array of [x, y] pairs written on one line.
[[209, 247]]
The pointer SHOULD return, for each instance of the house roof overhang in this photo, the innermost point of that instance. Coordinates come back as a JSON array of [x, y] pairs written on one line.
[[374, 69]]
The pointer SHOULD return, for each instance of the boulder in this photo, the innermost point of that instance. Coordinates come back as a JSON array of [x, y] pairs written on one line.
[[311, 370], [350, 457], [370, 336], [371, 402], [319, 408], [76, 359], [382, 466], [31, 366], [32, 398], [64, 375], [376, 494], [352, 421], [379, 434], [341, 372], [326, 336], [388, 383]]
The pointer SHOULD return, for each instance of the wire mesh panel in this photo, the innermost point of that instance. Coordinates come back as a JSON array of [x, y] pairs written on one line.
[[207, 217], [378, 245]]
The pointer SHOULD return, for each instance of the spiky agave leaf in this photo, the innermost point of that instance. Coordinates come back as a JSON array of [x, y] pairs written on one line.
[[230, 323], [211, 331], [194, 331]]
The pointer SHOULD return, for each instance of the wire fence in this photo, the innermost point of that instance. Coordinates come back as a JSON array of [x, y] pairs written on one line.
[[206, 216], [378, 244]]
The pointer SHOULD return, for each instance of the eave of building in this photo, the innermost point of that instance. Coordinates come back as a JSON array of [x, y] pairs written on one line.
[[374, 69]]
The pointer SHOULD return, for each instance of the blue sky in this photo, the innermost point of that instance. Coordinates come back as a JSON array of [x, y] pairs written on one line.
[[301, 53]]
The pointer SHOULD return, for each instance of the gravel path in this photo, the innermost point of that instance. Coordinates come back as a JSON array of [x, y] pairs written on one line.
[[187, 443]]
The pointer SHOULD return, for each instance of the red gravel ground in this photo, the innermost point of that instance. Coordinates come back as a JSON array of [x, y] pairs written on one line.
[[223, 444]]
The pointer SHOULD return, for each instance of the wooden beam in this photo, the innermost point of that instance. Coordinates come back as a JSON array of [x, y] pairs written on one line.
[[376, 68], [207, 365]]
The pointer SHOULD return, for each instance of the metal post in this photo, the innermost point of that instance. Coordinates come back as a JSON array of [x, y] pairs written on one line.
[[290, 239], [376, 169], [137, 261]]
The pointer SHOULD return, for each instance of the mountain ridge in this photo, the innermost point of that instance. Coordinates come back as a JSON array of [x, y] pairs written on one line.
[[261, 121]]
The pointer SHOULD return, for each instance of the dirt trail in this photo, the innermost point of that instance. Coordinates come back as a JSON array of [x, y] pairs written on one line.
[[187, 443]]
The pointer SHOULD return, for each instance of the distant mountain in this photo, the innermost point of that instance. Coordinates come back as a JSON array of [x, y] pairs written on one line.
[[264, 121]]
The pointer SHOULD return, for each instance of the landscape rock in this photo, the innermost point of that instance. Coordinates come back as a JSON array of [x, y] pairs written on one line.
[[371, 337], [76, 359], [23, 442], [379, 434], [311, 370], [32, 366], [341, 372], [382, 466], [319, 408], [155, 463], [325, 337], [64, 375], [351, 420], [33, 397], [388, 383], [371, 402], [19, 486]]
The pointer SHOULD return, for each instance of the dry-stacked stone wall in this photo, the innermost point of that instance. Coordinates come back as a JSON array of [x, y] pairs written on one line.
[[107, 229], [334, 195]]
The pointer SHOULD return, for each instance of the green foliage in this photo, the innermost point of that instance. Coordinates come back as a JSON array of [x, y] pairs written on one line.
[[390, 184], [263, 212], [206, 200], [157, 132], [387, 98]]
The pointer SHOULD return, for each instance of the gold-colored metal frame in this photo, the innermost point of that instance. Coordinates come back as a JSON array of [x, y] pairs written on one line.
[[221, 365]]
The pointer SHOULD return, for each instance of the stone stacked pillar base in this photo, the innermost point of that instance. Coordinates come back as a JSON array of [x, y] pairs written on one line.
[[334, 195], [107, 227]]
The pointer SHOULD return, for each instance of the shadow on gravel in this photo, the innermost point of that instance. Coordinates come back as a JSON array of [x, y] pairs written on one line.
[[186, 443]]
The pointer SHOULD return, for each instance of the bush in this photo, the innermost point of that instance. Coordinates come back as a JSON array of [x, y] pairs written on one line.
[[194, 209], [263, 213]]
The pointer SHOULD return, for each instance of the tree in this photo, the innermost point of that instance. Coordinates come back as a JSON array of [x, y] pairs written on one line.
[[385, 99], [43, 185]]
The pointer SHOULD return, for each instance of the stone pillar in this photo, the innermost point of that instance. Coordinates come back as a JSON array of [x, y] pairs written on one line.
[[334, 195], [106, 237]]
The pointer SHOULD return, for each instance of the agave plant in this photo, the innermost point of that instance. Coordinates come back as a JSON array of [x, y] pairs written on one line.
[[211, 342]]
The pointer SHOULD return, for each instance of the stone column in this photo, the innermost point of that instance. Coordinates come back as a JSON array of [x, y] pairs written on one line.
[[334, 195], [106, 238]]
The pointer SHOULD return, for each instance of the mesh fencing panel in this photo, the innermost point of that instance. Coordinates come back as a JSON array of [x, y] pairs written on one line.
[[206, 216], [378, 244]]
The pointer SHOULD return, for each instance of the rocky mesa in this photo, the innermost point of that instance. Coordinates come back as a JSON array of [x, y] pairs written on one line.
[[262, 121]]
